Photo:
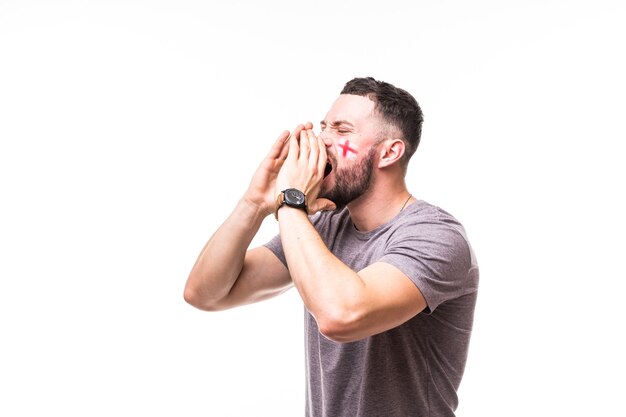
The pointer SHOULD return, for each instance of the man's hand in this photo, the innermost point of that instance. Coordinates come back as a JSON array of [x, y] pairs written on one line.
[[226, 273], [303, 168], [261, 191]]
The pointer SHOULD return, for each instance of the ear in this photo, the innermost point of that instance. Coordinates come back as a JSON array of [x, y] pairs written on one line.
[[391, 151]]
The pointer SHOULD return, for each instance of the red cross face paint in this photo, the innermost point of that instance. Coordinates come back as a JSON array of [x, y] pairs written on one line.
[[347, 150]]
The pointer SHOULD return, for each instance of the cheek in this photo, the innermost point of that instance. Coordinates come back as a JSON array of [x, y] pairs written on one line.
[[346, 149]]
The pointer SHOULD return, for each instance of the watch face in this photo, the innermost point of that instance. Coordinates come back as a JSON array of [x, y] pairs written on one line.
[[294, 197]]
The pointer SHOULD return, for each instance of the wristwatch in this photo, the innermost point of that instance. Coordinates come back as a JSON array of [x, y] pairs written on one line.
[[291, 197]]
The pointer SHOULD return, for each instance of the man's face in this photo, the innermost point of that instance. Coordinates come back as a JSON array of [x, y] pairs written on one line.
[[350, 131]]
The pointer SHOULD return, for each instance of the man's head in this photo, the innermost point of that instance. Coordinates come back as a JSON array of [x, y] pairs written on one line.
[[368, 120], [395, 106]]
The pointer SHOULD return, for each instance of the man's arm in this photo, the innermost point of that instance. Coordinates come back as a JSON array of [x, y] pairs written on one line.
[[226, 273], [347, 305]]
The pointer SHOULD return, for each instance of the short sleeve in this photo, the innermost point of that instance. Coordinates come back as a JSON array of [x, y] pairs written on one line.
[[276, 246], [436, 257]]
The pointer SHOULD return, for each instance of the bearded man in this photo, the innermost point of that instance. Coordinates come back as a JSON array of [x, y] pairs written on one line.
[[388, 281]]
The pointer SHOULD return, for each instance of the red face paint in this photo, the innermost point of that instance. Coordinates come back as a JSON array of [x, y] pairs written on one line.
[[348, 151]]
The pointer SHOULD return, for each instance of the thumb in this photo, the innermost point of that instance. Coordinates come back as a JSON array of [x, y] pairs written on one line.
[[322, 204]]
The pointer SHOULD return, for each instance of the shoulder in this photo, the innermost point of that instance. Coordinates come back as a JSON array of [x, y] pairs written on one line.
[[423, 218], [431, 231], [424, 212], [430, 246]]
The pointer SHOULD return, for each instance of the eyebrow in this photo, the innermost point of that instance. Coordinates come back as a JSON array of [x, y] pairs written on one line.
[[338, 123]]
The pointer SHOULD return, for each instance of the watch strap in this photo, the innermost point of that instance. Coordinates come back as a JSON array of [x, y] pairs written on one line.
[[282, 201]]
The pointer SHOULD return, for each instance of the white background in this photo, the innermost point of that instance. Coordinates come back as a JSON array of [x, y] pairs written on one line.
[[129, 129]]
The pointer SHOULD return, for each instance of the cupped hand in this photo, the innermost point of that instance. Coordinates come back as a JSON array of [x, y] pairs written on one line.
[[304, 167], [261, 191]]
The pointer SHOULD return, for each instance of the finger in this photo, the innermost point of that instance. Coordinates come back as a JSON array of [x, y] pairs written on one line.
[[315, 152], [305, 146], [279, 146], [308, 126], [294, 149], [285, 146], [311, 134], [323, 156], [297, 130]]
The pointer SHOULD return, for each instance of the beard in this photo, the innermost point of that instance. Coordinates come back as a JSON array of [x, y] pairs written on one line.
[[351, 183]]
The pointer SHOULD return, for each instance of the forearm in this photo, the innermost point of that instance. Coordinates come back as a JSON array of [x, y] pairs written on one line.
[[221, 260], [331, 291]]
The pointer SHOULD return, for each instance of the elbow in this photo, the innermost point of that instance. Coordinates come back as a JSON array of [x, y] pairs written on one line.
[[191, 296], [341, 327], [196, 298]]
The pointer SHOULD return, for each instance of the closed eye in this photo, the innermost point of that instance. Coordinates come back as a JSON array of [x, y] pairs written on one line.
[[341, 126]]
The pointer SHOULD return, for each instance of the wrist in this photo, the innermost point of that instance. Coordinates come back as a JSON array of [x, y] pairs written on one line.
[[252, 210], [287, 212], [290, 197]]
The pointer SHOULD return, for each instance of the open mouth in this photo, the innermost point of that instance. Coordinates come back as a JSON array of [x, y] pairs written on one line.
[[328, 169]]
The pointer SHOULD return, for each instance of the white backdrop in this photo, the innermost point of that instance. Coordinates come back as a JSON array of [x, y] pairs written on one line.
[[129, 129]]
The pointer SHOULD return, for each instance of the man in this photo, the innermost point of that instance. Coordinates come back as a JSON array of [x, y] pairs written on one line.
[[389, 282]]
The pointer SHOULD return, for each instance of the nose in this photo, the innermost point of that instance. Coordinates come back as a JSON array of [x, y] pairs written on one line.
[[326, 139]]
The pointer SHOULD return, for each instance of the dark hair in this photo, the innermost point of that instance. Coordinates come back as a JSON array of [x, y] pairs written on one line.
[[396, 106]]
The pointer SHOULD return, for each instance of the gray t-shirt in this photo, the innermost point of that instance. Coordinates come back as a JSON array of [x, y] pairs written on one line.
[[414, 369]]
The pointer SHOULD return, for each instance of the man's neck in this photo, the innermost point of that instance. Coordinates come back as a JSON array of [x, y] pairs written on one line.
[[381, 203]]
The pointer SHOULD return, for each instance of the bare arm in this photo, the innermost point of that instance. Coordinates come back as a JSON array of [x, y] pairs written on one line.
[[226, 273], [347, 305]]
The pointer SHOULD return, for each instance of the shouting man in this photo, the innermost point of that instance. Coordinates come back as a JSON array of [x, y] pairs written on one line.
[[389, 282]]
